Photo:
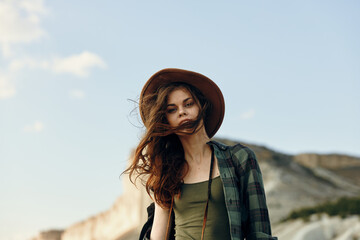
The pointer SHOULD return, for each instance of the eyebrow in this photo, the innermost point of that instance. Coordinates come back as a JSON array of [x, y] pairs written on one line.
[[185, 100]]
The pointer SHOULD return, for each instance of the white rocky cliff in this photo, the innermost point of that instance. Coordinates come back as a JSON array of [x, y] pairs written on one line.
[[121, 221]]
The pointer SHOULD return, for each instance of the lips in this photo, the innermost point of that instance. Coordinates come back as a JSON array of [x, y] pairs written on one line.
[[184, 121]]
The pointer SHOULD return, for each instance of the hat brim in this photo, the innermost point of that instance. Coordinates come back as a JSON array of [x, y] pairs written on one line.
[[206, 86]]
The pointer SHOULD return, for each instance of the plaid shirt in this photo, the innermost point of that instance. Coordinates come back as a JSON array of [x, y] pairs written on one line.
[[244, 192]]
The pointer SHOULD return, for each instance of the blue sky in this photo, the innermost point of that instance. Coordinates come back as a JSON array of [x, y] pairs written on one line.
[[289, 72]]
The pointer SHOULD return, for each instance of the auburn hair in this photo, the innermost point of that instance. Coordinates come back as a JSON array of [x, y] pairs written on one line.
[[160, 155]]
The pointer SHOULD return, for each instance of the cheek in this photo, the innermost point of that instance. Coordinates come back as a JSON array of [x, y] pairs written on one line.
[[196, 111], [170, 119]]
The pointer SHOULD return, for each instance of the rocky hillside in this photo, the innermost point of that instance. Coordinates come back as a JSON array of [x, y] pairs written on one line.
[[320, 227], [345, 166], [291, 182]]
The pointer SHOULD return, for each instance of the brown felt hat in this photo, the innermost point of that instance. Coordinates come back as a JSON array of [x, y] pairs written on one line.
[[206, 86]]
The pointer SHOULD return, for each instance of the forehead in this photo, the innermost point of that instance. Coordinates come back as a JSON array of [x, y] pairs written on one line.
[[179, 94]]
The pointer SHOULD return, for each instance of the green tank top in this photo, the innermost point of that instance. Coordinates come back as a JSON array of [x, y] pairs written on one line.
[[189, 212]]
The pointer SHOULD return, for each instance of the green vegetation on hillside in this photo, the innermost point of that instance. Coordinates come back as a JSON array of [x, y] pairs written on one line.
[[342, 207]]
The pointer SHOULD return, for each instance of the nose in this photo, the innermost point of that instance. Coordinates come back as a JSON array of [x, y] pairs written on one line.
[[182, 112]]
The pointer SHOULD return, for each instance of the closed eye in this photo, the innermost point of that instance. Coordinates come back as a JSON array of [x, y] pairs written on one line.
[[171, 110], [189, 104]]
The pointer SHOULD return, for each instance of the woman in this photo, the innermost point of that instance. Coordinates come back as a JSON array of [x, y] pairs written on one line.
[[215, 191]]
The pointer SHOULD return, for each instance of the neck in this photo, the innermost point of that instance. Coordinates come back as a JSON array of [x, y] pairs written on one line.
[[195, 148]]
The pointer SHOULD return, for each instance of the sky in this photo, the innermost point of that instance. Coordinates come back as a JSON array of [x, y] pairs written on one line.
[[72, 71]]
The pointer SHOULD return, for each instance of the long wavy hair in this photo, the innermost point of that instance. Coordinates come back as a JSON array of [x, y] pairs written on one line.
[[160, 155]]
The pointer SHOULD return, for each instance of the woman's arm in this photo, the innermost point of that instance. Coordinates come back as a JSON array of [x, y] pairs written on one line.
[[258, 216], [158, 230], [255, 216]]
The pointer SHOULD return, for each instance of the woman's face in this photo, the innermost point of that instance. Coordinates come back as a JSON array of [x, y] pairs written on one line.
[[181, 107]]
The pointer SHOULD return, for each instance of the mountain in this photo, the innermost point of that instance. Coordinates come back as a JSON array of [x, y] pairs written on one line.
[[290, 181]]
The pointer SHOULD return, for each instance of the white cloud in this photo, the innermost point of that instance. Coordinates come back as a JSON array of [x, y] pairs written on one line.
[[77, 94], [18, 64], [35, 127], [33, 6], [79, 64], [248, 115], [7, 88], [20, 23]]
